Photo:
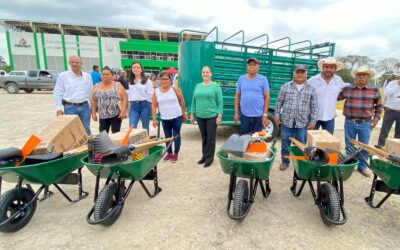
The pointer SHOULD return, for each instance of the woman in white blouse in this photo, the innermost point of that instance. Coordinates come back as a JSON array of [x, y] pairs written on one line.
[[140, 93]]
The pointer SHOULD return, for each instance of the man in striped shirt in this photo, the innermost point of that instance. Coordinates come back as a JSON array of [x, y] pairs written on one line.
[[362, 109]]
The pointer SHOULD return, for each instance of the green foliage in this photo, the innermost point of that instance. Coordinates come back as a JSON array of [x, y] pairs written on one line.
[[6, 68], [345, 74]]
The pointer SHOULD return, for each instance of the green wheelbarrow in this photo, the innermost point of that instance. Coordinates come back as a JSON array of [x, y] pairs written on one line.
[[18, 205], [241, 192], [329, 196], [108, 204], [388, 182]]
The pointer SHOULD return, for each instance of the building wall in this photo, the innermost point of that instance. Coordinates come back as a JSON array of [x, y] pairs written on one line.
[[23, 50], [51, 51]]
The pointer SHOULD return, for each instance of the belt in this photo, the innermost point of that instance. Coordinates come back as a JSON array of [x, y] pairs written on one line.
[[74, 103], [138, 101], [359, 119]]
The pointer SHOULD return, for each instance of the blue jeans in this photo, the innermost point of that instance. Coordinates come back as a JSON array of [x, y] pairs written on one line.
[[140, 110], [363, 131], [327, 125], [173, 128], [83, 112], [250, 125], [299, 134]]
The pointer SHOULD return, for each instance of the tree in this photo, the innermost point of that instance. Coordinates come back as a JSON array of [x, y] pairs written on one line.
[[6, 68], [345, 74], [386, 68], [352, 62]]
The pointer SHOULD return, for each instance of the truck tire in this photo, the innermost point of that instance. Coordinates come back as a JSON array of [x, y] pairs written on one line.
[[29, 90], [272, 127], [12, 88]]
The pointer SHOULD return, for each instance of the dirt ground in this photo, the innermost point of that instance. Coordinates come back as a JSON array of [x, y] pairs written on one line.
[[189, 213]]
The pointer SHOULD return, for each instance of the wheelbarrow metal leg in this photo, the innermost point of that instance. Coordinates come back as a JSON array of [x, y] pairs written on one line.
[[157, 189], [46, 194], [96, 188], [232, 185], [379, 186], [294, 186]]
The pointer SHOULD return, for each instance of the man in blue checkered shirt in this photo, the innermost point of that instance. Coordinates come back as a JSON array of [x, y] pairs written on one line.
[[296, 110]]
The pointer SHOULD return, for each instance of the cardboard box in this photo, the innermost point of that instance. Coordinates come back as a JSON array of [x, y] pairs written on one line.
[[322, 139], [66, 132], [392, 146], [137, 136]]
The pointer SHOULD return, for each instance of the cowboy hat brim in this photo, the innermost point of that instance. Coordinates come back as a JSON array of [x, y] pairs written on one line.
[[370, 72], [339, 64]]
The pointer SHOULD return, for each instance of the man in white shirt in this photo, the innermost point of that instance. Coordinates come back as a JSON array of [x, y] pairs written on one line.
[[392, 112], [73, 91], [328, 86]]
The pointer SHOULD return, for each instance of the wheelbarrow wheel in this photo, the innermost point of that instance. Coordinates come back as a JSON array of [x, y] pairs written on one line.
[[241, 198], [106, 202], [9, 206], [330, 204]]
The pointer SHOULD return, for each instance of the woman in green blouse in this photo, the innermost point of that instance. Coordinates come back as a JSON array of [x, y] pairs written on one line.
[[207, 105]]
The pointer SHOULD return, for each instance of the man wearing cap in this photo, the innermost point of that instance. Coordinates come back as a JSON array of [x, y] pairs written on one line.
[[392, 112], [328, 86], [252, 96], [362, 109], [296, 110]]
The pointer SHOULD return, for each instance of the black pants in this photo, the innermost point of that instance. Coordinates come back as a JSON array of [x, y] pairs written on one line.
[[114, 123], [389, 118], [208, 130]]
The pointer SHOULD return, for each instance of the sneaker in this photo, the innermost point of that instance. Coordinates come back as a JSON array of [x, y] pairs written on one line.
[[174, 158], [364, 172], [167, 157], [378, 146], [283, 166]]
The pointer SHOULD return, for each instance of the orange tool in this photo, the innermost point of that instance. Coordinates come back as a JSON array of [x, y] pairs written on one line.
[[296, 157], [28, 147], [124, 140]]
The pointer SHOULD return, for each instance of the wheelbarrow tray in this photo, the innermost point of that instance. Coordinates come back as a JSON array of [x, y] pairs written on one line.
[[307, 170], [133, 170], [387, 171], [45, 173], [243, 168]]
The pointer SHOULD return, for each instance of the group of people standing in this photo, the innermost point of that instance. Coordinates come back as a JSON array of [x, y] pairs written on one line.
[[302, 104], [307, 104]]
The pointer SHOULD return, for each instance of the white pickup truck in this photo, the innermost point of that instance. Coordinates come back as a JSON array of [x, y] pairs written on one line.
[[28, 81]]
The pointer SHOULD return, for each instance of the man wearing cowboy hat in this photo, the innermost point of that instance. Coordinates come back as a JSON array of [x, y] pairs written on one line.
[[328, 86], [362, 109]]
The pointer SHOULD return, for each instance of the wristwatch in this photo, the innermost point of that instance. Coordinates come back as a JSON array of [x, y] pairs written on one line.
[[265, 115]]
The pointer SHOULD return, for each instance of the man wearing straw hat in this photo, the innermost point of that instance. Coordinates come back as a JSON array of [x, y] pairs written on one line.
[[328, 86], [362, 109]]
